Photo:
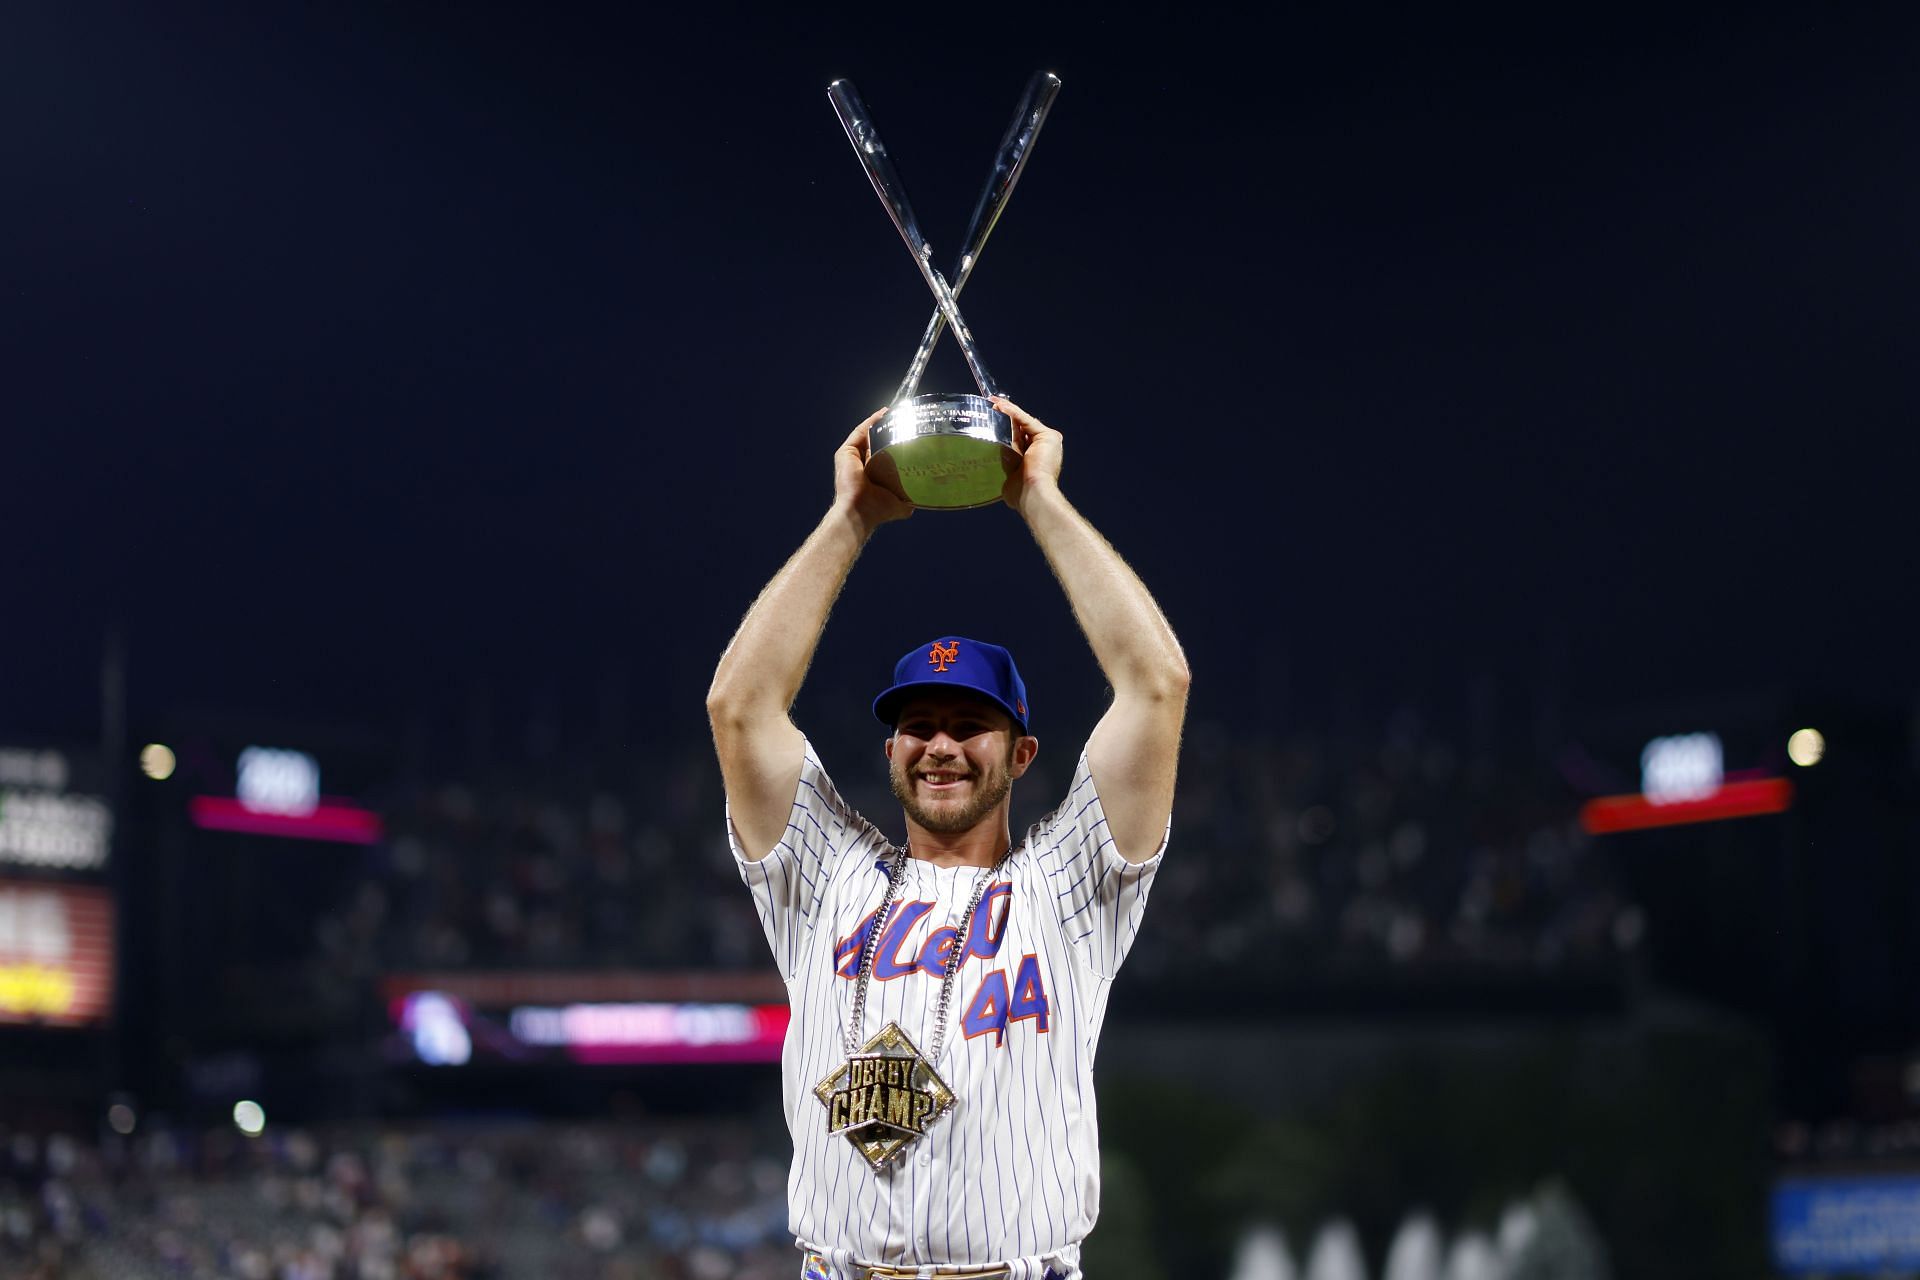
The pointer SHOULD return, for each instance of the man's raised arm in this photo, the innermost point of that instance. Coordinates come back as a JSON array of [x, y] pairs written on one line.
[[1135, 747], [760, 673]]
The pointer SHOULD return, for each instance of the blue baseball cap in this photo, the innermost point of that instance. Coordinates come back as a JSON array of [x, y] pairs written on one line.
[[955, 662]]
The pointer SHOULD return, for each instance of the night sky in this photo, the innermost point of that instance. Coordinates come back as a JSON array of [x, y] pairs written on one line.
[[357, 358]]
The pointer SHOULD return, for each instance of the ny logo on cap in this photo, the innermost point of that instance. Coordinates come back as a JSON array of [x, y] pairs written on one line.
[[940, 655]]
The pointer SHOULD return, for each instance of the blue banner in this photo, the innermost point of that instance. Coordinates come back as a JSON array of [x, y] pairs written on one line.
[[1862, 1225]]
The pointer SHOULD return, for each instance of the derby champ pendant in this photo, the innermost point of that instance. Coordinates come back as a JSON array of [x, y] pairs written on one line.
[[887, 1094], [884, 1098]]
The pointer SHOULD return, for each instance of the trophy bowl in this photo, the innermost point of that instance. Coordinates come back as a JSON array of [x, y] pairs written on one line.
[[943, 452]]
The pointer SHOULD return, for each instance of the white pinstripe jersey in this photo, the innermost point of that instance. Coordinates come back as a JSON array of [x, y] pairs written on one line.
[[1011, 1176]]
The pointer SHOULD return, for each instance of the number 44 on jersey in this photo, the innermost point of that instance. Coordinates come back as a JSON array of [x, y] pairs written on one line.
[[995, 1004]]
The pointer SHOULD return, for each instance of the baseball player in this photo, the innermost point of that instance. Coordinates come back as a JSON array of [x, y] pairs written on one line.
[[947, 994]]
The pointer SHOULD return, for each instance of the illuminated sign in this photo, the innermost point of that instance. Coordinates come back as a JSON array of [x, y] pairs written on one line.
[[655, 1032], [277, 793], [1683, 779], [44, 770], [41, 823], [56, 953], [439, 1028], [1746, 798], [1686, 766], [272, 780], [340, 823], [47, 829], [1847, 1225], [436, 1027]]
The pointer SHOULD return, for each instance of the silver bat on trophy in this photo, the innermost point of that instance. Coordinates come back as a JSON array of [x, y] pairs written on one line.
[[939, 451]]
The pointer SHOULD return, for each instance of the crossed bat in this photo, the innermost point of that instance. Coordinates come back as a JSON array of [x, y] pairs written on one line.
[[1008, 162]]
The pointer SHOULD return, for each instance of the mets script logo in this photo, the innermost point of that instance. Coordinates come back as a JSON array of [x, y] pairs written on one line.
[[941, 654], [998, 1005]]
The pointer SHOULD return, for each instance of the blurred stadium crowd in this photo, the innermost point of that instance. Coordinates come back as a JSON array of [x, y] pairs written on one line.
[[1546, 1236], [679, 1200], [682, 1200], [1389, 854]]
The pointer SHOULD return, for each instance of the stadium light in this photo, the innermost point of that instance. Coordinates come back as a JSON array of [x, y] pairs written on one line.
[[1806, 747], [249, 1118], [157, 761]]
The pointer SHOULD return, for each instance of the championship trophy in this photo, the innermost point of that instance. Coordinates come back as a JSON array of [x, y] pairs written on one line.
[[945, 452]]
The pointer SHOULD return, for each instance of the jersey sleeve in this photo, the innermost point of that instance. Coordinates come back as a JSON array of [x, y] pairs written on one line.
[[790, 884], [1101, 895]]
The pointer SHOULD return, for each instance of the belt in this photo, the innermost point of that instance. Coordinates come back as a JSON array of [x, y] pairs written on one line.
[[816, 1268], [943, 1273]]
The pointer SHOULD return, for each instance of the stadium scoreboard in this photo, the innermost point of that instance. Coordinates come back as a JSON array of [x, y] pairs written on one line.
[[57, 924]]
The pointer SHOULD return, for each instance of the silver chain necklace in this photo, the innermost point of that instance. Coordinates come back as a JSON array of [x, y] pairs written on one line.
[[856, 1019], [886, 1094]]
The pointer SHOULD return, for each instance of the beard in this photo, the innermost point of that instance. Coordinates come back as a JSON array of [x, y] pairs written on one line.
[[988, 790]]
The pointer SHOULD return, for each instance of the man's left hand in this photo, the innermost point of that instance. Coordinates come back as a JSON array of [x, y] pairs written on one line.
[[1042, 449]]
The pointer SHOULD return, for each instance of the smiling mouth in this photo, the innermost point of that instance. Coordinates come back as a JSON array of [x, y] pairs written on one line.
[[942, 781]]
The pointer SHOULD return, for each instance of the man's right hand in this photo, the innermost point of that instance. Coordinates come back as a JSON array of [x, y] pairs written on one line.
[[871, 505]]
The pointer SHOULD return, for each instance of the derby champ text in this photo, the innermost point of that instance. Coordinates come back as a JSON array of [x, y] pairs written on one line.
[[880, 1089]]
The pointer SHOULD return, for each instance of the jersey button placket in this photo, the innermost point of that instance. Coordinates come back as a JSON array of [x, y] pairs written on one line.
[[922, 1206], [923, 1200]]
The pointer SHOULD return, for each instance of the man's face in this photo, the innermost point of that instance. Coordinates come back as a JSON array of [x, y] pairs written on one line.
[[953, 758]]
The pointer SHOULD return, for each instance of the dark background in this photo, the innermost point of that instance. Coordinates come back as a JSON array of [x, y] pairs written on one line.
[[360, 356]]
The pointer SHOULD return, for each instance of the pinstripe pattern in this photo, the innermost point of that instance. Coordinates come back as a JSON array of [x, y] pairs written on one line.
[[1011, 1176]]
